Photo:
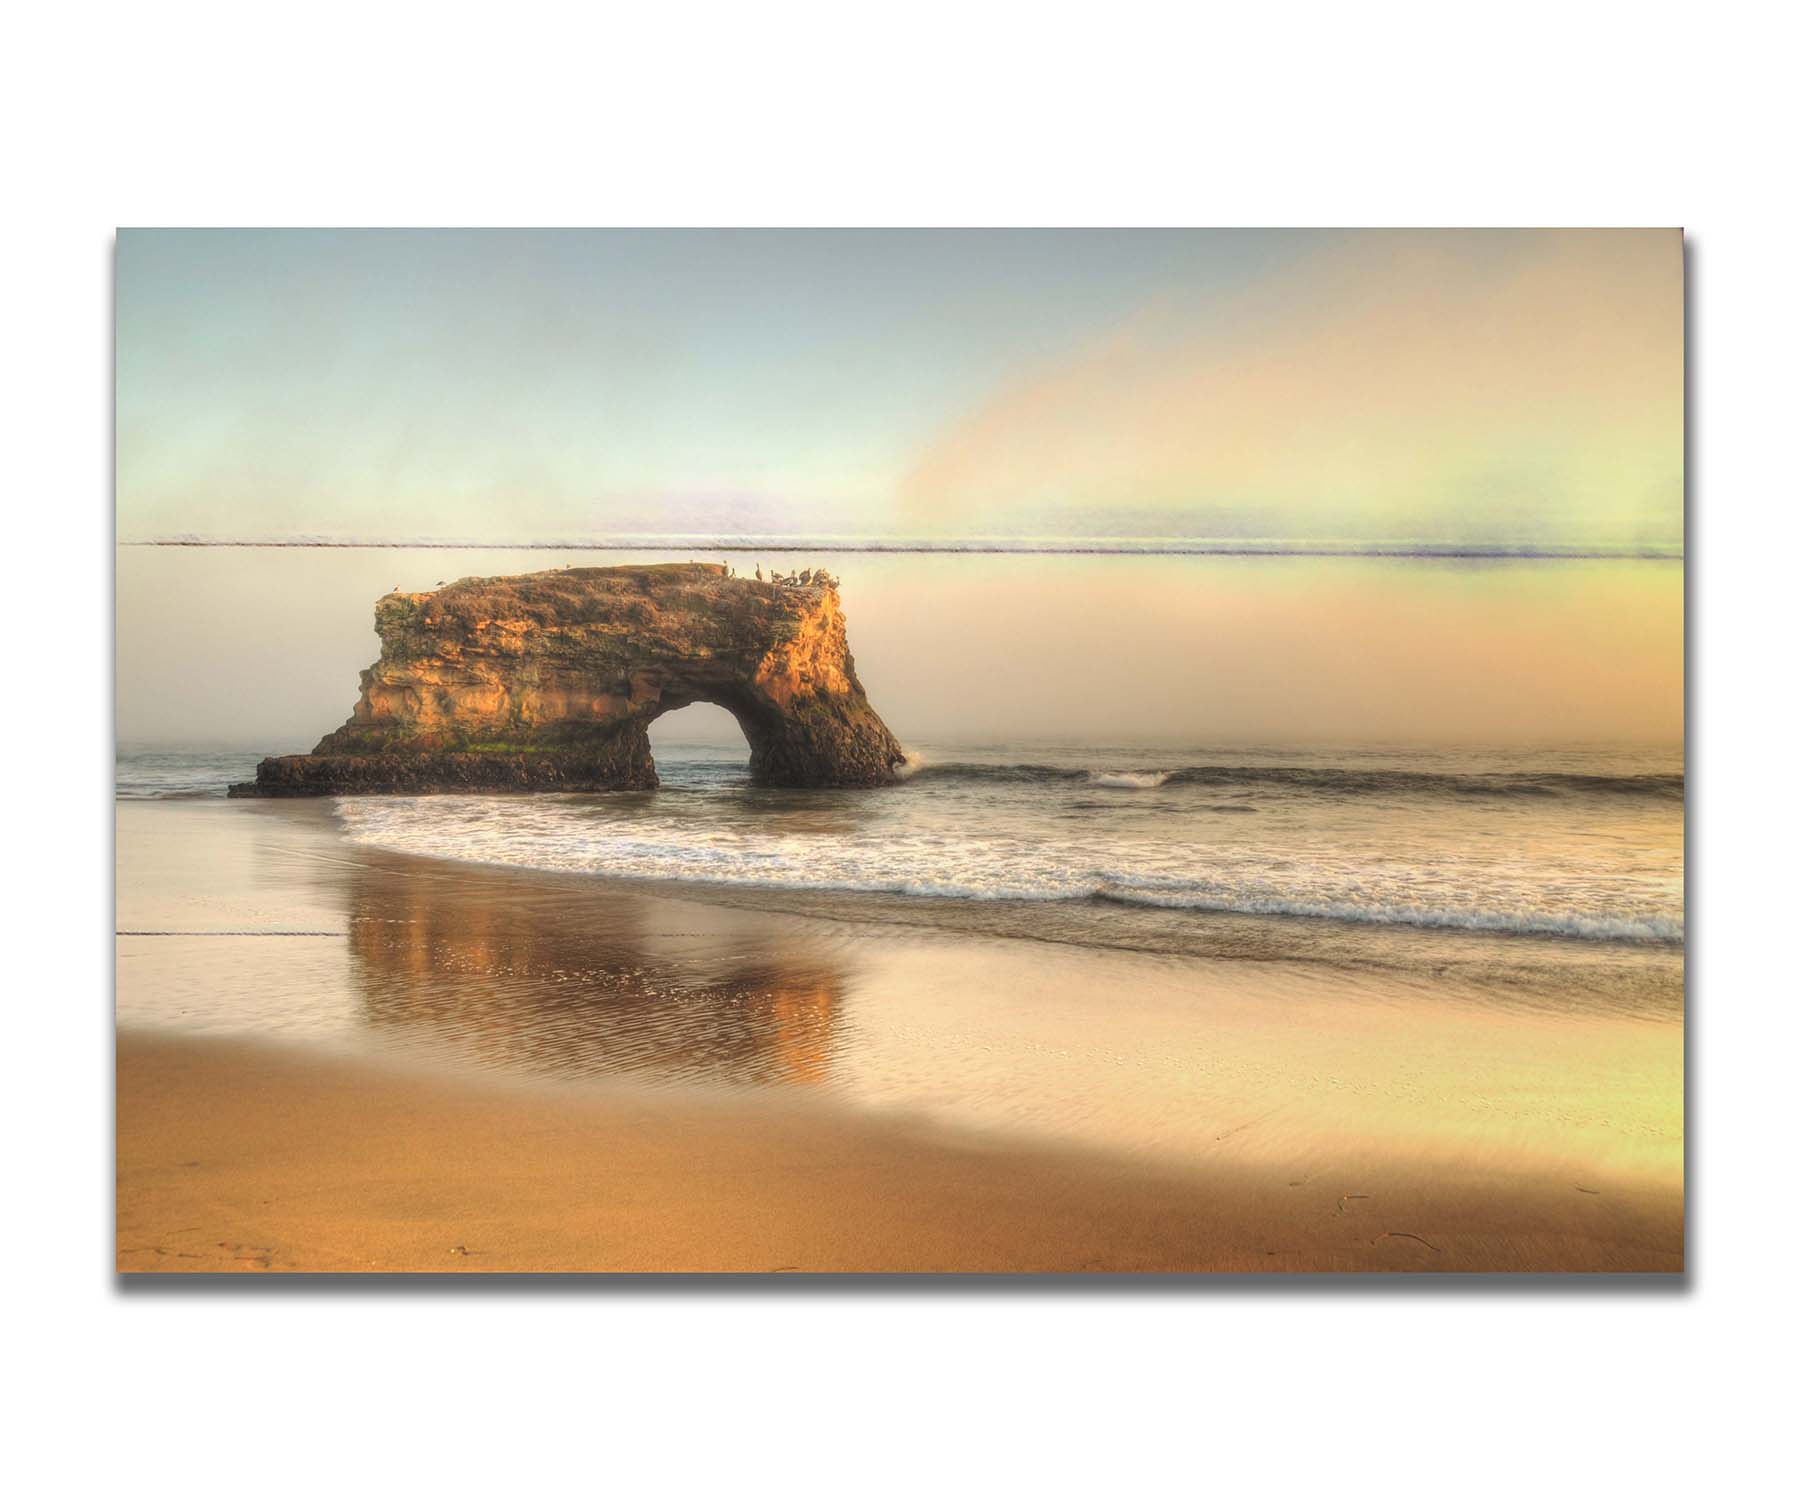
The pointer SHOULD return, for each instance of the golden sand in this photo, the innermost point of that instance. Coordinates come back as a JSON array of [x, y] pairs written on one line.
[[239, 1158]]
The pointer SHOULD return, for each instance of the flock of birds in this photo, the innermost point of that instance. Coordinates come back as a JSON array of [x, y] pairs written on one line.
[[809, 578]]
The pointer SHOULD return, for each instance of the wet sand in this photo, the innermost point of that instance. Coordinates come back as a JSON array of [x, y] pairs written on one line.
[[337, 1058], [240, 1158]]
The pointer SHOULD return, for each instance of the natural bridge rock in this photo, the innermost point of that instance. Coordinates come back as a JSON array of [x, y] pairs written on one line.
[[549, 682]]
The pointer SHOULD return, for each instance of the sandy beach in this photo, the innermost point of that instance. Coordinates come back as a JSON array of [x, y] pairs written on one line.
[[238, 1158], [333, 1057]]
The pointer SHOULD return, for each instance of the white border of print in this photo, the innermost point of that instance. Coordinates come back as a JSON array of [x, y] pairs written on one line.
[[929, 114]]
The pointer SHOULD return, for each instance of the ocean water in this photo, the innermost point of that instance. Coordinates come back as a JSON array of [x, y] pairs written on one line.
[[152, 773], [1578, 844], [1472, 959]]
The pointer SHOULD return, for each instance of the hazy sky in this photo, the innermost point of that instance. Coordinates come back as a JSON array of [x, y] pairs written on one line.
[[1458, 385], [263, 648], [1493, 387]]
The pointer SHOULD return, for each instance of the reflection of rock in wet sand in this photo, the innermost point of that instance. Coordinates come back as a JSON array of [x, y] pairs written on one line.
[[579, 978]]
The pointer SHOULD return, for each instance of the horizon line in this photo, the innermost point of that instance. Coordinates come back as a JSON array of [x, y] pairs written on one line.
[[986, 546]]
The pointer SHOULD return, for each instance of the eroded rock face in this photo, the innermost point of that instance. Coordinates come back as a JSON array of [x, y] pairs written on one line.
[[549, 681]]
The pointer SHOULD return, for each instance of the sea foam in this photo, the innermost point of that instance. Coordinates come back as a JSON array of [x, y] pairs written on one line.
[[1011, 842]]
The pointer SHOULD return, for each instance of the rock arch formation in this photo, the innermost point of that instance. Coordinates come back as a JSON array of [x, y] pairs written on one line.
[[548, 681]]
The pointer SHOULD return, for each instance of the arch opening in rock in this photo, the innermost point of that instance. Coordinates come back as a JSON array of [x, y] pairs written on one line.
[[549, 681], [701, 743]]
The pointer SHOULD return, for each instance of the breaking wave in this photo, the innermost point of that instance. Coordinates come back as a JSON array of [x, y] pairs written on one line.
[[1137, 781], [1569, 846], [1346, 781], [1632, 929], [1017, 863]]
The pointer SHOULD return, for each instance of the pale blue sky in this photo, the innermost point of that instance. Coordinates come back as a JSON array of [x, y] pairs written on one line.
[[501, 383], [1508, 386]]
